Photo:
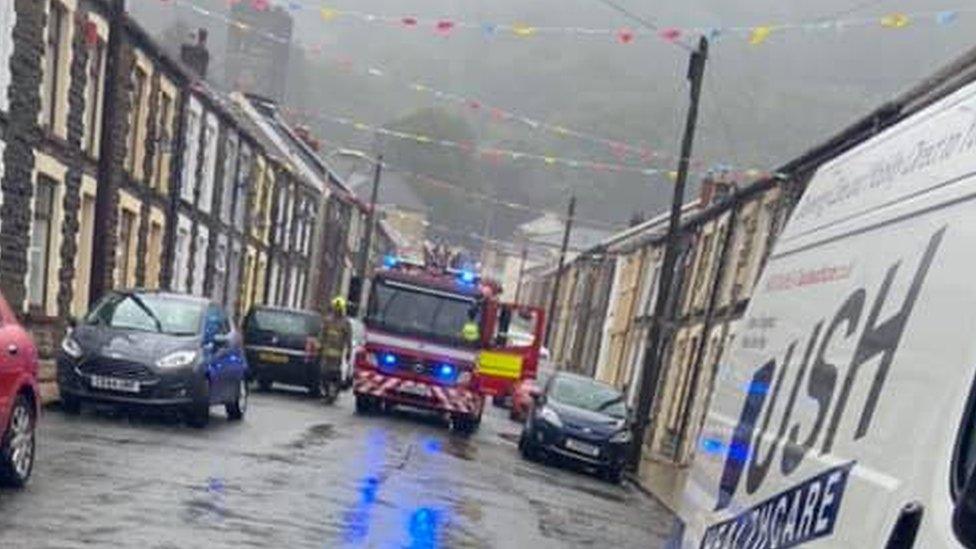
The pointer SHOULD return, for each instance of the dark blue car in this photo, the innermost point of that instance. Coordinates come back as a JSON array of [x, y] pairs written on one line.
[[159, 349], [581, 420]]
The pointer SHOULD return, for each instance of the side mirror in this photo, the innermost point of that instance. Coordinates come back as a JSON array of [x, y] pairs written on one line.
[[964, 515]]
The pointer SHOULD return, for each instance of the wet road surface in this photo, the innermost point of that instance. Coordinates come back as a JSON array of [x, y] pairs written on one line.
[[297, 473]]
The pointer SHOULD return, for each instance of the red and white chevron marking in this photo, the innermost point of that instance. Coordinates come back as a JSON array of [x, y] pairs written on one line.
[[439, 398]]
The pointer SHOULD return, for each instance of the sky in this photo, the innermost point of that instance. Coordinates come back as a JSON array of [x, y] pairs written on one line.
[[762, 105]]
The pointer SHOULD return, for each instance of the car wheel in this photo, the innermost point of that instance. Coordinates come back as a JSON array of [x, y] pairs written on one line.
[[264, 384], [315, 388], [525, 446], [18, 444], [70, 404], [237, 409]]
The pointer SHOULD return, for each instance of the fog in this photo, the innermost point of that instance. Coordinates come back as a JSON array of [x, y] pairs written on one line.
[[762, 105]]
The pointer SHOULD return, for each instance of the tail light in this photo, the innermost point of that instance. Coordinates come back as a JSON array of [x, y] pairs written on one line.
[[311, 349]]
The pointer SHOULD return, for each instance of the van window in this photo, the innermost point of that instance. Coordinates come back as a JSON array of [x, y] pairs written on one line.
[[966, 453]]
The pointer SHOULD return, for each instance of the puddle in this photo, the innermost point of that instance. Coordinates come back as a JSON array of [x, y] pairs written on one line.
[[460, 448], [316, 435]]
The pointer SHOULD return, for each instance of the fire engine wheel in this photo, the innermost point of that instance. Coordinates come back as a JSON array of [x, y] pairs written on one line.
[[465, 425], [366, 404]]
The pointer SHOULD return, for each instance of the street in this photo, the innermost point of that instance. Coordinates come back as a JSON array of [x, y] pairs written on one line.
[[297, 473]]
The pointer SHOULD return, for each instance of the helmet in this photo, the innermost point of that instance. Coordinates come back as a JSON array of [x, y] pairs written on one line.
[[339, 305], [470, 332]]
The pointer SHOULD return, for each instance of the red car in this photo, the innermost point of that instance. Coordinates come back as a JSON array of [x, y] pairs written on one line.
[[19, 399], [523, 396]]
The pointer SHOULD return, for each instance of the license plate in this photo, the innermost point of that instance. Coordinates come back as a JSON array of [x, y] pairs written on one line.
[[273, 358], [115, 384], [582, 447], [414, 390]]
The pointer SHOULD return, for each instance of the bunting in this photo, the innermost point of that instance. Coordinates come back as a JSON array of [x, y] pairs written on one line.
[[755, 35]]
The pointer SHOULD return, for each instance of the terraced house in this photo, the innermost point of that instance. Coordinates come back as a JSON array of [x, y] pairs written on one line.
[[52, 92], [121, 167]]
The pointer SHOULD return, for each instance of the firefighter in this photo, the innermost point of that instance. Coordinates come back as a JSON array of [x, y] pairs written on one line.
[[336, 342]]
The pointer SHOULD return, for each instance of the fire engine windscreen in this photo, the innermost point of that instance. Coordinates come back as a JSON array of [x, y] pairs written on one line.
[[421, 312]]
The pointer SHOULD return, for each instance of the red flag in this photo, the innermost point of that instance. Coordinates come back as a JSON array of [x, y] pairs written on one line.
[[625, 36], [444, 26], [409, 21]]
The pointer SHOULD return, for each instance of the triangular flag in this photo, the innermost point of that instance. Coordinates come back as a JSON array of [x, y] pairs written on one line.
[[550, 160], [523, 30], [946, 17], [670, 34], [489, 29], [758, 35], [260, 5], [895, 21], [328, 14], [409, 21], [625, 36], [444, 27]]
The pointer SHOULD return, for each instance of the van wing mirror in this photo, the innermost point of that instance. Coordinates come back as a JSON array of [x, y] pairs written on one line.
[[964, 515]]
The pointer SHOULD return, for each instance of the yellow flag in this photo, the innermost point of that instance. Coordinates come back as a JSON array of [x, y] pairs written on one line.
[[673, 176], [561, 130], [895, 21], [550, 160], [423, 139], [328, 14], [758, 35], [523, 30], [360, 126]]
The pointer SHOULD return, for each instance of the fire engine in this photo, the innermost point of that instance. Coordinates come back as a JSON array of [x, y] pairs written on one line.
[[439, 339]]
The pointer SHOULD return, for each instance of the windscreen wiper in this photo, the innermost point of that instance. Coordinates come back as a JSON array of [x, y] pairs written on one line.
[[142, 305]]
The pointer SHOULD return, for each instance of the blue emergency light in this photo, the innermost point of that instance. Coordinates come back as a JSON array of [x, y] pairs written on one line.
[[389, 359], [390, 261], [467, 277], [446, 371]]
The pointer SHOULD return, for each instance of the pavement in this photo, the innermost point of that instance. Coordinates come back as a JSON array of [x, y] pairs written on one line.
[[297, 473]]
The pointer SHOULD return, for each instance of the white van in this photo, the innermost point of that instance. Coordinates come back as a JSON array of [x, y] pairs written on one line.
[[845, 414]]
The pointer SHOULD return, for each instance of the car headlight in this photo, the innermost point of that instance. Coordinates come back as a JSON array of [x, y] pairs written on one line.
[[71, 347], [179, 359], [550, 416], [622, 437]]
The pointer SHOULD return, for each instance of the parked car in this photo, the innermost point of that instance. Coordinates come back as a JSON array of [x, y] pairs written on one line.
[[525, 393], [579, 419], [19, 399], [159, 349], [282, 346]]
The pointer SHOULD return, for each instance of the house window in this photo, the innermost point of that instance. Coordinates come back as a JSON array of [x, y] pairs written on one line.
[[162, 140], [127, 222], [135, 116], [40, 250], [52, 61], [93, 96]]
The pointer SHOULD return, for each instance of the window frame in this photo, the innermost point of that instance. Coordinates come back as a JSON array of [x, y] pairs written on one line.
[[53, 31], [94, 97], [139, 80], [51, 185]]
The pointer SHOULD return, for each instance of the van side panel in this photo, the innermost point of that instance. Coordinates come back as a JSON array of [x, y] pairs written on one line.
[[843, 391]]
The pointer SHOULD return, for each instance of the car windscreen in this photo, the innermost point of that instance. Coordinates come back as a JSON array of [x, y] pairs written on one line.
[[283, 323], [422, 312], [588, 395], [148, 313]]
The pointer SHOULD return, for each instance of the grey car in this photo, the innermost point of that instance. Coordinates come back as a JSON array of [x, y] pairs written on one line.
[[151, 348]]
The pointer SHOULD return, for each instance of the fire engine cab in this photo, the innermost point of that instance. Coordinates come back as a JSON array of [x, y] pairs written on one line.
[[439, 339]]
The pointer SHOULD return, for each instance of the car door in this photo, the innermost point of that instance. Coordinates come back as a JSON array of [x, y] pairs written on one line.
[[10, 364]]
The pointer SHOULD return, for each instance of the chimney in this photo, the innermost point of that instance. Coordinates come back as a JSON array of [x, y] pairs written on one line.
[[195, 56]]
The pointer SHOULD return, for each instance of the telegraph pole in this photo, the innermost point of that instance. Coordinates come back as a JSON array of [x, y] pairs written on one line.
[[367, 244], [559, 271], [652, 367], [518, 286]]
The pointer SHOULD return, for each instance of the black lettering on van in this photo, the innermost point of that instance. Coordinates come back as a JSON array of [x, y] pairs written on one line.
[[884, 340], [739, 446], [757, 470], [822, 381]]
